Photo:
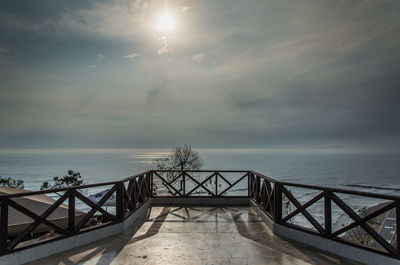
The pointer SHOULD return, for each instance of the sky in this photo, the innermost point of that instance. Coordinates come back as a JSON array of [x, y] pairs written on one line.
[[223, 74]]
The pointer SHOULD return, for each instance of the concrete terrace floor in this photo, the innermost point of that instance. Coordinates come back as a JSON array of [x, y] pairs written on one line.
[[196, 235]]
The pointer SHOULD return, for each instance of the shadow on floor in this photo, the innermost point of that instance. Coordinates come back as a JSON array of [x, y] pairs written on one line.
[[291, 248], [111, 246], [248, 224]]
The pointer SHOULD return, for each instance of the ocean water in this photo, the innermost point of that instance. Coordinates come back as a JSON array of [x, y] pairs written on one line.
[[323, 168], [99, 165]]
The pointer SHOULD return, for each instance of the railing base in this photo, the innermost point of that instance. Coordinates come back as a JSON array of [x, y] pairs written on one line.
[[135, 221], [202, 201]]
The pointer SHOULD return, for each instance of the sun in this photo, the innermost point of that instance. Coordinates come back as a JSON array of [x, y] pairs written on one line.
[[166, 22]]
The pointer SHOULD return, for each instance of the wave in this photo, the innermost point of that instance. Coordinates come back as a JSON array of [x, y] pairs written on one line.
[[371, 187]]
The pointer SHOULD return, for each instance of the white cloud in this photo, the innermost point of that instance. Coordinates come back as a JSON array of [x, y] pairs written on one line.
[[141, 4], [93, 66], [198, 57], [185, 8], [317, 41], [165, 48], [100, 56], [131, 56]]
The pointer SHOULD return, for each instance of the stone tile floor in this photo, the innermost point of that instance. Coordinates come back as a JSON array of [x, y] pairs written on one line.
[[196, 235]]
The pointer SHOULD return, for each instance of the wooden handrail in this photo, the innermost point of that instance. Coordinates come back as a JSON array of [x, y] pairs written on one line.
[[327, 194], [269, 194]]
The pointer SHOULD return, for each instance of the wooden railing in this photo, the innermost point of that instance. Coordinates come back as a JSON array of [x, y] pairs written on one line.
[[285, 203], [197, 183], [279, 201], [129, 194]]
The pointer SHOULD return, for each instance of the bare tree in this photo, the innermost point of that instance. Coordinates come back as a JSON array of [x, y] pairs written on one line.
[[359, 235], [181, 158]]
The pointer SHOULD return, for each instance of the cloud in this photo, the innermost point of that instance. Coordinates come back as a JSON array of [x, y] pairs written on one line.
[[185, 8], [100, 56], [340, 29], [110, 19], [131, 56], [198, 57], [278, 73], [165, 48], [3, 50], [4, 53]]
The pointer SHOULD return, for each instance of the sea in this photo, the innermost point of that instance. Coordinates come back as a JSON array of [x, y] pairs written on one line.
[[330, 169]]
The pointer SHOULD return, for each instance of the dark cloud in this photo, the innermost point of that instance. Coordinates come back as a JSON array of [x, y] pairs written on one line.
[[37, 11], [267, 74]]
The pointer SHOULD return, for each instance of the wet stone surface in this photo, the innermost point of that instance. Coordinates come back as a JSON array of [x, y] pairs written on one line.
[[196, 235]]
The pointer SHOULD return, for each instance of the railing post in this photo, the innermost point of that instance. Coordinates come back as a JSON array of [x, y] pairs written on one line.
[[398, 228], [3, 225], [258, 186], [120, 201], [151, 183], [141, 181], [216, 183], [71, 211], [328, 213], [277, 202], [184, 183], [249, 179], [148, 181]]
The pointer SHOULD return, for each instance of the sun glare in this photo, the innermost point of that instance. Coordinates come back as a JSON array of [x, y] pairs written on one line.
[[166, 22]]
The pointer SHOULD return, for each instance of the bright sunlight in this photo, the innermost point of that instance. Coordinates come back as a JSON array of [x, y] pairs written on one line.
[[166, 22]]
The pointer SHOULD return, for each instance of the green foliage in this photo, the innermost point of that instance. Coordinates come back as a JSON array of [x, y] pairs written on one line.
[[71, 179], [12, 183]]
